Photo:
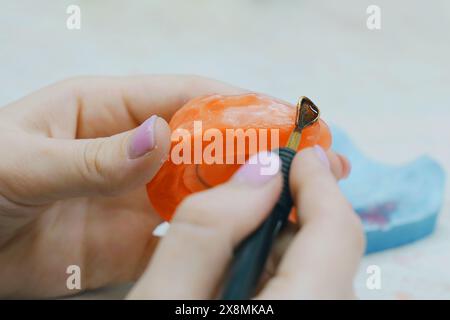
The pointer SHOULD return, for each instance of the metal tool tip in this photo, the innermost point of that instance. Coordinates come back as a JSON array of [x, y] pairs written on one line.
[[307, 113]]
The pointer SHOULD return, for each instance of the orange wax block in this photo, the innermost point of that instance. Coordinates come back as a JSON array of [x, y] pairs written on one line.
[[213, 135]]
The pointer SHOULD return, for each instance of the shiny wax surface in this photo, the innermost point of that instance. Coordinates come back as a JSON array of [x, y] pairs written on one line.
[[174, 182]]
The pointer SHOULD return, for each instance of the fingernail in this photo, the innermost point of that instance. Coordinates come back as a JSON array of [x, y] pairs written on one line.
[[143, 140], [259, 169], [322, 156]]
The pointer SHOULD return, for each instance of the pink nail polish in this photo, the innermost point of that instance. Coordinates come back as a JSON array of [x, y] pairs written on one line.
[[322, 156], [259, 169], [143, 139]]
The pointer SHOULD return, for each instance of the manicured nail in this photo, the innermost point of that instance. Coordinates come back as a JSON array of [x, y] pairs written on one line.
[[322, 156], [143, 140], [259, 169]]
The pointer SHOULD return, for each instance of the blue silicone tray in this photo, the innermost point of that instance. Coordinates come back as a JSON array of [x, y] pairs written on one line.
[[397, 204]]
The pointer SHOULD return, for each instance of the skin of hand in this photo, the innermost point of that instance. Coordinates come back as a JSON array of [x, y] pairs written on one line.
[[76, 157], [319, 262]]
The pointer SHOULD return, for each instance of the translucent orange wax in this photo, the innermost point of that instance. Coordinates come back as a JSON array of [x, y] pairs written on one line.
[[175, 180]]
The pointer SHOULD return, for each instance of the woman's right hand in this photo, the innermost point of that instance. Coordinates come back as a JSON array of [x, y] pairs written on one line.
[[317, 262]]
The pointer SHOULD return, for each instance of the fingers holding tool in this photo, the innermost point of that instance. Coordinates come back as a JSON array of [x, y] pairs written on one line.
[[322, 259]]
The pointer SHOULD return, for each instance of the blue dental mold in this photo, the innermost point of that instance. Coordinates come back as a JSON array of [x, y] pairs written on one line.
[[397, 204]]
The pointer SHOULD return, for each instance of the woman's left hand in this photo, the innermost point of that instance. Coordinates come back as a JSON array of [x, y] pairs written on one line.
[[66, 147]]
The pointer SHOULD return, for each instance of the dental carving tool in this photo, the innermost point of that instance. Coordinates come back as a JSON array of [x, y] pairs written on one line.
[[251, 255]]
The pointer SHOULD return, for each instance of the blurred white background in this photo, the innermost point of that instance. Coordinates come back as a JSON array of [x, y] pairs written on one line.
[[387, 88]]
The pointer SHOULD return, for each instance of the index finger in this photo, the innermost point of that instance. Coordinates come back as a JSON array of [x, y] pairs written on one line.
[[91, 107], [324, 255]]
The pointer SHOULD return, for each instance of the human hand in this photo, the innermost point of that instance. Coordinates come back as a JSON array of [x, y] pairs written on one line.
[[69, 192], [317, 262]]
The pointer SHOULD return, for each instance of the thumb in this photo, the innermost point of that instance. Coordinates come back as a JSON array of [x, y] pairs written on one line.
[[105, 166]]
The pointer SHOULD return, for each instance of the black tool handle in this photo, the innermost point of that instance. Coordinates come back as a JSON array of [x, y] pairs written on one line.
[[250, 256]]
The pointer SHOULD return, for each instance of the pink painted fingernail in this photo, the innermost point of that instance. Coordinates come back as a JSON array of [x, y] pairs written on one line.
[[259, 169], [322, 156], [143, 140]]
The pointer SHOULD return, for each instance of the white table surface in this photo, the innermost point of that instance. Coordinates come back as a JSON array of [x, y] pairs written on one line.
[[384, 79]]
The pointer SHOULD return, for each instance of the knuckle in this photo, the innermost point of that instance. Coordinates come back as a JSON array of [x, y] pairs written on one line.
[[199, 83], [194, 209], [91, 157], [358, 234], [93, 168], [71, 84], [197, 222], [354, 230], [200, 209], [343, 224], [74, 87]]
